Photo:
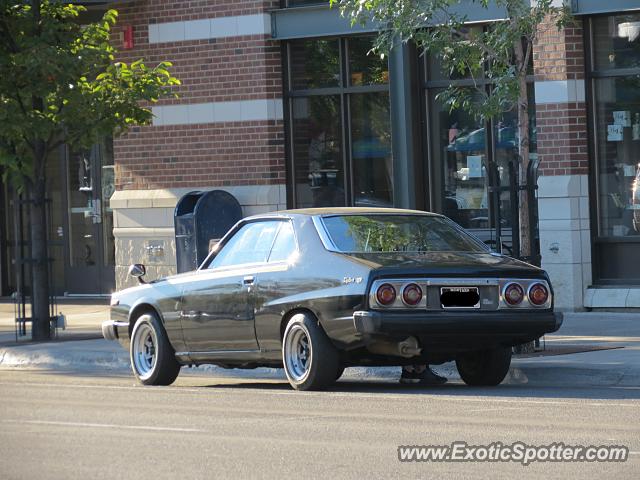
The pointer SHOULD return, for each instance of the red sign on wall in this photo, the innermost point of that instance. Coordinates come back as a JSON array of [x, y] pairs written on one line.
[[127, 42]]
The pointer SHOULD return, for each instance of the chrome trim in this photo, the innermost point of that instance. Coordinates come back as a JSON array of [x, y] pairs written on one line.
[[324, 236], [109, 329], [230, 352], [424, 283], [463, 282]]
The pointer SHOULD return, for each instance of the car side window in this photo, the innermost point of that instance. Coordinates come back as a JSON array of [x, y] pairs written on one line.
[[251, 244], [285, 244]]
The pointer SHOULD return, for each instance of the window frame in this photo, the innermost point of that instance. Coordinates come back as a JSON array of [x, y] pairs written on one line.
[[600, 243], [343, 91]]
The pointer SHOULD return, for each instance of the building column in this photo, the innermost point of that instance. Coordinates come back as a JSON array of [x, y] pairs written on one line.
[[405, 128], [561, 116]]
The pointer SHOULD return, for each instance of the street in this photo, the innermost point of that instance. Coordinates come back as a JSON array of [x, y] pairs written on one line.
[[78, 425]]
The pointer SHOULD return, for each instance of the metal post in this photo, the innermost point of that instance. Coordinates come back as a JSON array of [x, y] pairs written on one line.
[[404, 122], [495, 219], [532, 187], [515, 206]]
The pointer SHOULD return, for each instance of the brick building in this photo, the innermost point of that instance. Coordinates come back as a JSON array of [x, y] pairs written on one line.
[[281, 106]]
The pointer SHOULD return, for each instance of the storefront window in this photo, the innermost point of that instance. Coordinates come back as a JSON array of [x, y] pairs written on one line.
[[314, 64], [459, 144], [371, 149], [366, 67], [341, 138], [618, 141], [461, 157], [317, 151], [615, 114], [617, 42]]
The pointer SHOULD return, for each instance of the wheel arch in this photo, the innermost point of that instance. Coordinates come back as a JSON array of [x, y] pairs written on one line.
[[287, 316], [138, 310]]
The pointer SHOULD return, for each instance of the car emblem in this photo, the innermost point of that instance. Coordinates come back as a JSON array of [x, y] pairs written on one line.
[[348, 280]]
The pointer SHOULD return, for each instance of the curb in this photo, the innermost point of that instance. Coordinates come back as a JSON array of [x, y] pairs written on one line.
[[102, 355]]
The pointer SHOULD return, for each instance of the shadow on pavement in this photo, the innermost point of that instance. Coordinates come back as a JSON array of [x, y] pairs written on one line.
[[454, 388]]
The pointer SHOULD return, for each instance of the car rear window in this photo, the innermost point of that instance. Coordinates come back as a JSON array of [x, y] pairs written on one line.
[[398, 233]]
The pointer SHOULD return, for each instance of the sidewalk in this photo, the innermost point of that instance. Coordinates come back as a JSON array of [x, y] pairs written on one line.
[[591, 349], [83, 319]]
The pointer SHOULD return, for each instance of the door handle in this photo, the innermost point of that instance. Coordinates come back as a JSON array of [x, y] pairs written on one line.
[[248, 280]]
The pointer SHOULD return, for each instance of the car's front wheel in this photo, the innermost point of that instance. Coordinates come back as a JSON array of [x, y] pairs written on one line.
[[485, 367], [152, 357], [310, 360]]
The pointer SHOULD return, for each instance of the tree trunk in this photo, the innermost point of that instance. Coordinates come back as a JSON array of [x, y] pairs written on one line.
[[40, 299], [523, 150]]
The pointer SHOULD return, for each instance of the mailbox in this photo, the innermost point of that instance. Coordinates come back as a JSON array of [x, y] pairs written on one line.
[[201, 218]]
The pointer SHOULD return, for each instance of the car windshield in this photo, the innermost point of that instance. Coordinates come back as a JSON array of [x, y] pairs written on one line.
[[398, 233]]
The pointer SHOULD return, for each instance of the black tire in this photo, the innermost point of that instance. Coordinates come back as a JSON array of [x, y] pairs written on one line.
[[484, 368], [314, 367], [151, 355]]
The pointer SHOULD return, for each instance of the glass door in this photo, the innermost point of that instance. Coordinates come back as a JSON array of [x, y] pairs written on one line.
[[90, 266]]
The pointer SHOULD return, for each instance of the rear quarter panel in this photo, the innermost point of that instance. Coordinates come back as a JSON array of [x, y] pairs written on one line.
[[330, 285]]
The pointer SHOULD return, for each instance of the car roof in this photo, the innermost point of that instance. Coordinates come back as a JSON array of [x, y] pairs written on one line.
[[327, 211]]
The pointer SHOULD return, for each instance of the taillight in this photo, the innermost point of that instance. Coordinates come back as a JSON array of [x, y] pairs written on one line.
[[538, 294], [412, 294], [513, 294], [386, 294]]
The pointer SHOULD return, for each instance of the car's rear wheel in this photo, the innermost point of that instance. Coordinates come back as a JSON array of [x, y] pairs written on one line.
[[485, 367], [152, 357], [310, 360]]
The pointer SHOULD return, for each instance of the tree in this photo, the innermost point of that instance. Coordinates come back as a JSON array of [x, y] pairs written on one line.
[[501, 53], [60, 84]]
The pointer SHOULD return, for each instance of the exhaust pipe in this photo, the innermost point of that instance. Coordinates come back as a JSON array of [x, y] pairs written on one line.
[[407, 348]]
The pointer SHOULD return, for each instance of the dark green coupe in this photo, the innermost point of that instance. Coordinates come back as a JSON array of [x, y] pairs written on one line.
[[318, 290]]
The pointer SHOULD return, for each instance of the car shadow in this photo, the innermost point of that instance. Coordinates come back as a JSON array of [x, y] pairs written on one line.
[[455, 388]]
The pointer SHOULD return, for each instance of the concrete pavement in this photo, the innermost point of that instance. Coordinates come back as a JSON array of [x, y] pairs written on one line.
[[55, 425]]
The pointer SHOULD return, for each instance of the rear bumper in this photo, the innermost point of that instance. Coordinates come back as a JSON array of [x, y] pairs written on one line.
[[516, 324]]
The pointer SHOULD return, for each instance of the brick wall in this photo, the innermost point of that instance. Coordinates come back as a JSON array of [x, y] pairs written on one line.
[[562, 138], [562, 126], [233, 68], [221, 154]]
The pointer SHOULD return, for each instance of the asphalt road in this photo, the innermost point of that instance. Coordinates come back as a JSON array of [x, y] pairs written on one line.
[[66, 426]]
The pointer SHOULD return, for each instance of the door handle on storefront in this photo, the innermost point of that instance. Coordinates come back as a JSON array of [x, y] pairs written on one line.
[[96, 210]]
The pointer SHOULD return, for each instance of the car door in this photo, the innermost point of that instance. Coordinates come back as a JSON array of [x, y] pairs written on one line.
[[217, 311]]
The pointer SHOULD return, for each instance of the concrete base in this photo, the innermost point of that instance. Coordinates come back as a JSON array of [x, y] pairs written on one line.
[[612, 298], [565, 238]]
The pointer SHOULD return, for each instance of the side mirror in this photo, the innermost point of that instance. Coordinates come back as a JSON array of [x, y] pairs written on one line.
[[137, 270]]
